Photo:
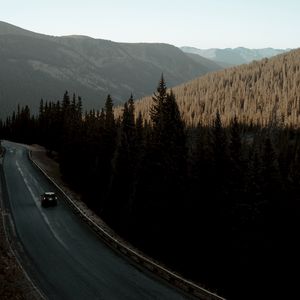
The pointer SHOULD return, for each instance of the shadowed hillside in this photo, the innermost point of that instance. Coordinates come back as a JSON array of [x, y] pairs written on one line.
[[35, 66]]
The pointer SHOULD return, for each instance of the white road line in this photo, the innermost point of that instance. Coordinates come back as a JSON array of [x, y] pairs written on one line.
[[37, 203]]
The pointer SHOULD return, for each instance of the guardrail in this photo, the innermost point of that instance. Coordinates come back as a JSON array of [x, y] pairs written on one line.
[[174, 279]]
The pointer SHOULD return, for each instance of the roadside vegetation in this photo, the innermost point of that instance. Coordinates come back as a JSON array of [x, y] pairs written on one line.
[[13, 285], [219, 204]]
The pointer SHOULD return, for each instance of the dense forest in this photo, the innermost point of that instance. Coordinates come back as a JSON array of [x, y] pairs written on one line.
[[256, 93], [218, 203]]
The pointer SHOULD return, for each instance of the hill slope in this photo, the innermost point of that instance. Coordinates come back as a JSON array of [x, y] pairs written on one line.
[[35, 66], [260, 92]]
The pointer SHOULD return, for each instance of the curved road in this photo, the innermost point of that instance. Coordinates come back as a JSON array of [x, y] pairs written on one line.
[[67, 260]]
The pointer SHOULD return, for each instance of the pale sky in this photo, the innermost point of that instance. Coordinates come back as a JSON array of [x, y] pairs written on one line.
[[197, 23]]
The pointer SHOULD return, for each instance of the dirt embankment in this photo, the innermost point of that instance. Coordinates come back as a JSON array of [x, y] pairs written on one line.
[[13, 283]]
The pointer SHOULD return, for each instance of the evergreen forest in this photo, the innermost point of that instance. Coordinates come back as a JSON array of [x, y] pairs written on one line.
[[259, 93], [216, 202]]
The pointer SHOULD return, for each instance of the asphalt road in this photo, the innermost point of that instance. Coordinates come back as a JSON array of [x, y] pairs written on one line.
[[67, 260]]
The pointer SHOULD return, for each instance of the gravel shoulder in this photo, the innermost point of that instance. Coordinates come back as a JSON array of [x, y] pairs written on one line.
[[13, 282]]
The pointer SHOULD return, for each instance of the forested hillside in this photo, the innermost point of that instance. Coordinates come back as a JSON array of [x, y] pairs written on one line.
[[219, 204], [260, 92]]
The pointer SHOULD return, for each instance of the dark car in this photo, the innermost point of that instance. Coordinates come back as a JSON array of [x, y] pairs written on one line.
[[48, 199]]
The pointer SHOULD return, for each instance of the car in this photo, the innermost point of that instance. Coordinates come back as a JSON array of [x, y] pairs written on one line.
[[48, 199]]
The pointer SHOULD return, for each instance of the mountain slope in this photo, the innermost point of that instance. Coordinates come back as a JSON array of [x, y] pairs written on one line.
[[261, 92], [35, 66], [9, 29], [236, 56], [209, 64]]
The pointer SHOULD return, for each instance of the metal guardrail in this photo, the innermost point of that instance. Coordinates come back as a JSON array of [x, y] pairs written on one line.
[[174, 279]]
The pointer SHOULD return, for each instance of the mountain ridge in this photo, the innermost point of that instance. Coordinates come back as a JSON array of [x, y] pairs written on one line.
[[10, 29], [235, 56], [35, 66]]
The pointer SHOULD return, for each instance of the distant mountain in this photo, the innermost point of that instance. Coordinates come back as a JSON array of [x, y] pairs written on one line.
[[236, 56], [262, 92], [35, 66]]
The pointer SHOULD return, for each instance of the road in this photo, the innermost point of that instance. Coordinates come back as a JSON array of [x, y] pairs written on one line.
[[67, 259]]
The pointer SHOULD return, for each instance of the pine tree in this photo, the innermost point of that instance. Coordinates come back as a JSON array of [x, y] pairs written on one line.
[[161, 178], [109, 114], [79, 108], [236, 168], [272, 185], [220, 206], [157, 108], [106, 152], [220, 155], [131, 111], [66, 101], [119, 203]]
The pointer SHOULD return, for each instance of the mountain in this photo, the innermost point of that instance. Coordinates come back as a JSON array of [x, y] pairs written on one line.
[[9, 29], [259, 93], [236, 56], [35, 66]]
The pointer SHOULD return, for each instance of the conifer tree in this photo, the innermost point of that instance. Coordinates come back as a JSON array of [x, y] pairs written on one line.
[[161, 183], [106, 151], [220, 202], [109, 114], [272, 184], [157, 108], [66, 101], [119, 203], [236, 168], [220, 153]]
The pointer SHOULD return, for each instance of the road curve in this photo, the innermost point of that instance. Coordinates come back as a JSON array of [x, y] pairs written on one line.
[[67, 260]]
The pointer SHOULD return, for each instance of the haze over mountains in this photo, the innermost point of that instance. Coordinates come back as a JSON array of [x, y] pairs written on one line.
[[35, 66], [234, 56]]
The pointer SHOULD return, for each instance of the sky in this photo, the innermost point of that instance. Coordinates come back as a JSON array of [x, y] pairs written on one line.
[[196, 23]]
